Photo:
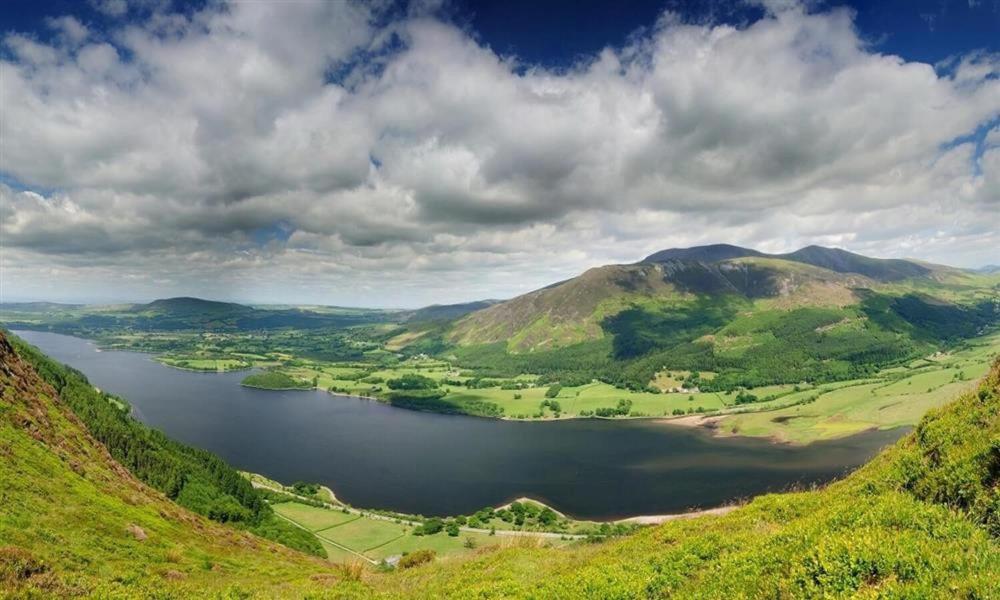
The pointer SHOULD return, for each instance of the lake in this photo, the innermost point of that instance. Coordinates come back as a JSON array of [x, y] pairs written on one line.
[[376, 456]]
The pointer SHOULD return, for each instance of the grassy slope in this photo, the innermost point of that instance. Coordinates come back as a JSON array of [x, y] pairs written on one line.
[[922, 520], [67, 507]]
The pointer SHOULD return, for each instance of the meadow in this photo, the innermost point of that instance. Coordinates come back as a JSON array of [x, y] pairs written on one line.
[[351, 535], [897, 397]]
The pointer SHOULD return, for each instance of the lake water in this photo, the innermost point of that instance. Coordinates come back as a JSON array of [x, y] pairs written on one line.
[[374, 455]]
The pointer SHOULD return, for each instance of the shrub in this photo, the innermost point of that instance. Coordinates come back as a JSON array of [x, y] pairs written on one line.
[[415, 559], [411, 381]]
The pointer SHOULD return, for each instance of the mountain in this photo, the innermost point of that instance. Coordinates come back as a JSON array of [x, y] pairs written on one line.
[[711, 253], [833, 259], [576, 310], [187, 306], [445, 312], [76, 522], [816, 314], [989, 269]]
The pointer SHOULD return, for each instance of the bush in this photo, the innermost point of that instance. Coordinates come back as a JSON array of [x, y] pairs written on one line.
[[411, 381], [306, 489], [553, 391], [415, 559], [429, 527]]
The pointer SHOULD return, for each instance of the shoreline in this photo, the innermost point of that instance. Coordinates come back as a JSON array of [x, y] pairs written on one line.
[[262, 481], [705, 422], [658, 519]]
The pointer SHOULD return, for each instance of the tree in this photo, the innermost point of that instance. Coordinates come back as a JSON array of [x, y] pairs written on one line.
[[553, 390], [547, 517], [412, 381], [429, 527]]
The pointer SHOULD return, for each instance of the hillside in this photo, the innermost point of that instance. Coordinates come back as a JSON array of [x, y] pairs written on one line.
[[180, 314], [75, 522], [445, 312], [813, 315], [186, 306], [932, 498], [572, 311]]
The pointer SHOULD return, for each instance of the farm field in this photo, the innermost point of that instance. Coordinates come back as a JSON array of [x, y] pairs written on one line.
[[898, 398], [194, 363], [352, 537]]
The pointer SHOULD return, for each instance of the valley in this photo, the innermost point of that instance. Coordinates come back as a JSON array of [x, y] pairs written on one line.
[[378, 456], [927, 496], [815, 344]]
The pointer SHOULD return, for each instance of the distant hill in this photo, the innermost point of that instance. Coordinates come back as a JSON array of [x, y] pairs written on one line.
[[445, 312], [182, 313], [989, 269], [36, 306], [183, 306]]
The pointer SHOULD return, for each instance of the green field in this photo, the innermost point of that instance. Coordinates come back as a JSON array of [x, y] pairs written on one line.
[[196, 363], [898, 397], [345, 536]]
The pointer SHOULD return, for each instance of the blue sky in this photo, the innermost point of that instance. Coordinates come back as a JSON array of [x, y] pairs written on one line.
[[558, 32], [423, 152]]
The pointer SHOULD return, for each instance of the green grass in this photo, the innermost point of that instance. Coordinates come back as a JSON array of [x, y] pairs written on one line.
[[868, 404], [363, 534], [195, 363], [311, 517], [275, 380], [441, 543], [378, 539]]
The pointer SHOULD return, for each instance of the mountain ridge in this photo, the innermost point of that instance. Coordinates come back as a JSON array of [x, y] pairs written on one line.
[[834, 259], [573, 310]]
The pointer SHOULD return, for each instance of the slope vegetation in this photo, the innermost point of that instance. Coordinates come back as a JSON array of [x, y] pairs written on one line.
[[74, 521]]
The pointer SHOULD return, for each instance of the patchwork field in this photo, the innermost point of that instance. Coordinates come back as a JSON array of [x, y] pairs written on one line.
[[898, 397], [352, 537]]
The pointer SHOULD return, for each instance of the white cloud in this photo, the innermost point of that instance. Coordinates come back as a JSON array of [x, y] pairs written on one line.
[[292, 151]]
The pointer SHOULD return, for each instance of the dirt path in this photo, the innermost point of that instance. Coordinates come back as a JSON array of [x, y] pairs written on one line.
[[657, 519]]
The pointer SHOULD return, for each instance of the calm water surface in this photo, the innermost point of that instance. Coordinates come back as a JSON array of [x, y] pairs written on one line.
[[374, 455]]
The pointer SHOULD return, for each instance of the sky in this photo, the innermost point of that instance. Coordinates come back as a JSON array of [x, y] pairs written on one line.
[[399, 154]]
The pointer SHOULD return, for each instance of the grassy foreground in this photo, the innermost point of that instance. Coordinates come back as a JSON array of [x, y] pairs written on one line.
[[921, 521]]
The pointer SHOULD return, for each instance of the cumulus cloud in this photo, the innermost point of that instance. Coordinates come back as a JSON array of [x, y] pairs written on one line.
[[323, 152]]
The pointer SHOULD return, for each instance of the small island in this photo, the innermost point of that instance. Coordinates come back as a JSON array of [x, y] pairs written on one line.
[[275, 380]]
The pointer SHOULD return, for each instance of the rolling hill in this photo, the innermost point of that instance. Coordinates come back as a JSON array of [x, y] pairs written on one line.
[[932, 499]]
